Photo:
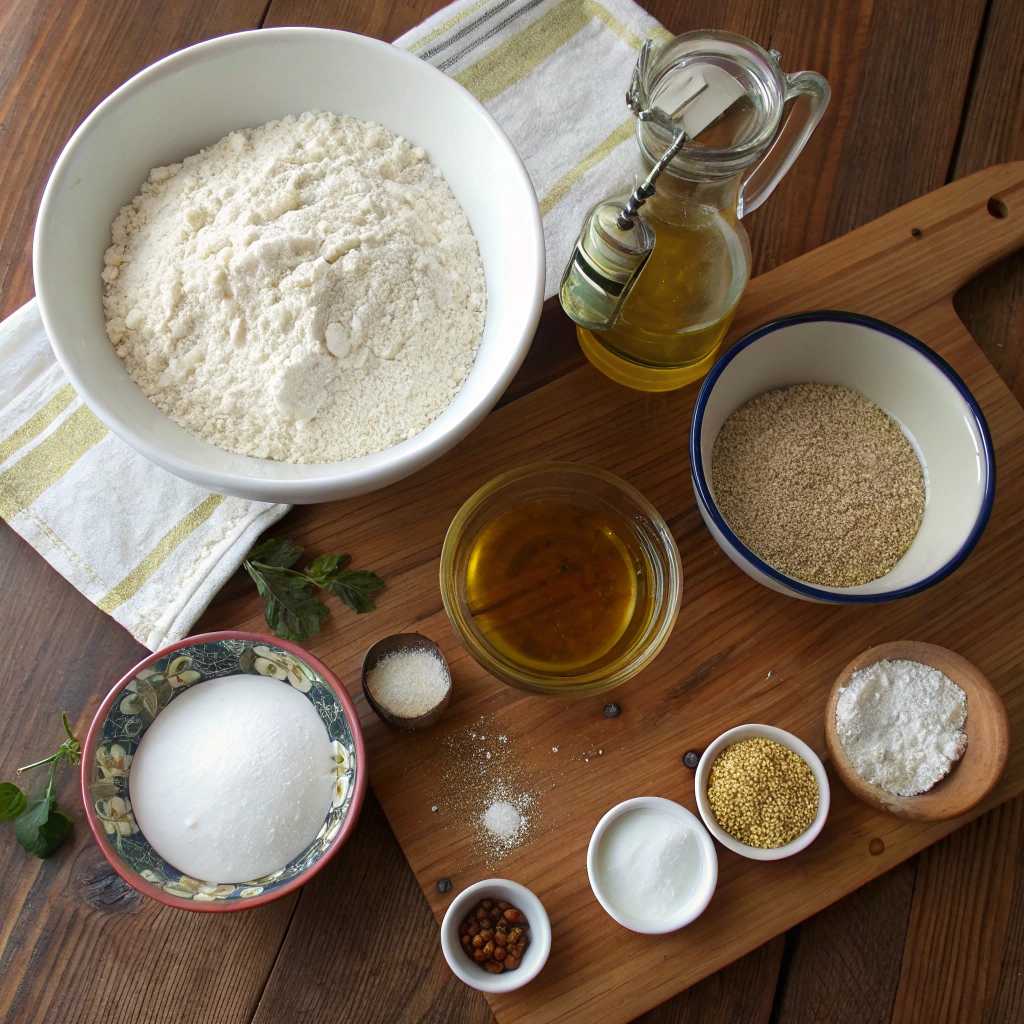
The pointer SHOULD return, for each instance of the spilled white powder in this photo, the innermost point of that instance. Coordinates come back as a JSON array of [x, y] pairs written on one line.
[[409, 683], [307, 291], [901, 725], [502, 819], [484, 786]]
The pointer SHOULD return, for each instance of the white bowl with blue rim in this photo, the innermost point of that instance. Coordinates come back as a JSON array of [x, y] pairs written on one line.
[[910, 382], [131, 708]]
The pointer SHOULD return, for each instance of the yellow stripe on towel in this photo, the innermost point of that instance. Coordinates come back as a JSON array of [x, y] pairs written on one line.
[[561, 188], [45, 464], [143, 572], [36, 424]]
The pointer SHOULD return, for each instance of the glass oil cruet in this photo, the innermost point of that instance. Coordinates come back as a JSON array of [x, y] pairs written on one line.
[[656, 273]]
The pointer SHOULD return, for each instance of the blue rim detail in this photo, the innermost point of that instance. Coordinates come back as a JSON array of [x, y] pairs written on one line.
[[807, 589]]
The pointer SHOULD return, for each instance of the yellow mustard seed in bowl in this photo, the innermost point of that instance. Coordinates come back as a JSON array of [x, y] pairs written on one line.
[[762, 793]]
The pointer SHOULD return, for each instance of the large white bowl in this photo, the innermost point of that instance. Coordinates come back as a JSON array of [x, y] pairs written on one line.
[[913, 384], [193, 98]]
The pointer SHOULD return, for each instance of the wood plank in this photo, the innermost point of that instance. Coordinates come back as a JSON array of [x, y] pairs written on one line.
[[992, 306], [58, 59], [844, 963], [731, 631], [958, 922], [1008, 1005], [383, 20], [977, 873], [743, 991], [363, 947]]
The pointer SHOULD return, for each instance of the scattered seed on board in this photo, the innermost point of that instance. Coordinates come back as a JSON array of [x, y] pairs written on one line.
[[762, 793], [819, 482]]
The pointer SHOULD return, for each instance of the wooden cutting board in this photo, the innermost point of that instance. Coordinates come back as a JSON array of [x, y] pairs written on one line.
[[739, 653]]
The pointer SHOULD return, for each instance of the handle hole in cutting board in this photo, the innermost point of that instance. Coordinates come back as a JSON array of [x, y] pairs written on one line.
[[991, 307], [998, 208]]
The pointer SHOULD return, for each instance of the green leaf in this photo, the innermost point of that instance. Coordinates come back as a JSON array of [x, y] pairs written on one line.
[[325, 568], [276, 551], [42, 828], [289, 606], [12, 801], [354, 587]]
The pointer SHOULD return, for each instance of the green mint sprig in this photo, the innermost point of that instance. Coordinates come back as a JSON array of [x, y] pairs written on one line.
[[290, 606], [39, 824]]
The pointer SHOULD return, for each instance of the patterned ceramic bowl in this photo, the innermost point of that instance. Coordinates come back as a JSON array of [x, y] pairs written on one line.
[[134, 703]]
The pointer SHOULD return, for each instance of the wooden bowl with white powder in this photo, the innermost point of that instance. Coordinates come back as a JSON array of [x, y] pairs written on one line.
[[972, 777], [406, 680]]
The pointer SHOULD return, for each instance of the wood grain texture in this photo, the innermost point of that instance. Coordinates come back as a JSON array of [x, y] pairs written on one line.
[[384, 20], [945, 978], [958, 923], [712, 673], [363, 946], [742, 992], [992, 306], [843, 965], [1008, 1005]]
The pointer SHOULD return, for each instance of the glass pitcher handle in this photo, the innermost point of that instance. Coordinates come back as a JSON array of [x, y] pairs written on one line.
[[789, 141]]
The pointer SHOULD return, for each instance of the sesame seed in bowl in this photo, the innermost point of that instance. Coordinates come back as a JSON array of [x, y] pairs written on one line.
[[838, 517]]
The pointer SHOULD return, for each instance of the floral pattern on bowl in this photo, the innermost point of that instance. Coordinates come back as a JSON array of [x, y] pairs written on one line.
[[134, 709]]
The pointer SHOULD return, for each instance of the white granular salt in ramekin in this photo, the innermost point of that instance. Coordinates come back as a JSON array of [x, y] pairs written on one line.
[[306, 291]]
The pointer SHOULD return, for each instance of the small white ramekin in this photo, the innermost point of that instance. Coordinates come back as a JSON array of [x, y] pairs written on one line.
[[787, 739], [701, 897], [535, 955]]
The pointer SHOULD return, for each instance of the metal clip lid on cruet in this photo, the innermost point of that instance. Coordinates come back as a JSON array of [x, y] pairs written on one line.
[[720, 152]]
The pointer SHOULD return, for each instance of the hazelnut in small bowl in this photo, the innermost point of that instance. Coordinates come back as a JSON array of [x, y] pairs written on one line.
[[508, 932]]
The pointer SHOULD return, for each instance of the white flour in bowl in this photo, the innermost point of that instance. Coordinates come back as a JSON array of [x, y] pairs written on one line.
[[307, 291]]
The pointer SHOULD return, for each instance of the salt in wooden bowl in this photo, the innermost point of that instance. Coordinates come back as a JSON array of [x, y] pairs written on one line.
[[394, 644], [971, 778]]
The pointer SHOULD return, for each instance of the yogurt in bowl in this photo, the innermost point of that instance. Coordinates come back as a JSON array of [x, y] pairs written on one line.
[[652, 865]]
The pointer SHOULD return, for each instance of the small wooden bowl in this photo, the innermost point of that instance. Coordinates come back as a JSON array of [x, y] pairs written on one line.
[[971, 778], [404, 642]]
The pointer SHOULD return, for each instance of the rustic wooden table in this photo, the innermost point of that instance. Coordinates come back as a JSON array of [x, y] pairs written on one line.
[[924, 91]]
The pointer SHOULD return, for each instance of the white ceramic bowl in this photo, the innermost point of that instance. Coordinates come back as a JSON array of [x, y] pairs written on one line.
[[787, 739], [914, 385], [535, 955], [193, 98], [701, 896]]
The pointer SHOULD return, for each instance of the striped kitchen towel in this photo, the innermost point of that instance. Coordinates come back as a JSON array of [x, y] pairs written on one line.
[[145, 546], [554, 74], [152, 550]]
